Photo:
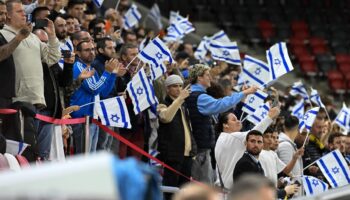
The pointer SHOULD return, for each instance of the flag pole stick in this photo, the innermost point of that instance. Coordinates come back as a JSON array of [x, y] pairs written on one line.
[[116, 6], [130, 62], [240, 118], [307, 137]]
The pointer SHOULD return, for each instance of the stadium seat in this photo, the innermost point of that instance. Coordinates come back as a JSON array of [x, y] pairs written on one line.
[[309, 68], [342, 58], [317, 41], [338, 86], [344, 68], [320, 49], [299, 26], [335, 75]]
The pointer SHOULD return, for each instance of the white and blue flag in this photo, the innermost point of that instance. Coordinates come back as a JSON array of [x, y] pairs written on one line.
[[220, 36], [155, 16], [253, 101], [155, 53], [154, 153], [335, 169], [141, 92], [278, 60], [227, 52], [201, 50], [315, 97], [174, 17], [298, 110], [98, 3], [255, 72], [113, 112], [308, 119], [132, 17], [298, 88], [313, 185], [178, 29], [259, 114], [343, 118]]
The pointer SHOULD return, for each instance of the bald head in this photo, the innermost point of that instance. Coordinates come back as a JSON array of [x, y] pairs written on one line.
[[42, 35]]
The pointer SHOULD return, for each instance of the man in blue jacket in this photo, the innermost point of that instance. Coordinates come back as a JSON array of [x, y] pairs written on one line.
[[90, 91], [201, 106]]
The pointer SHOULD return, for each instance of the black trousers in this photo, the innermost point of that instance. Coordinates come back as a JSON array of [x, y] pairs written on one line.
[[170, 178]]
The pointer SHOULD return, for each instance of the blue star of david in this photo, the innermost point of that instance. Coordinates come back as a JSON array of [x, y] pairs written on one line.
[[257, 71], [226, 53], [300, 116], [263, 114], [115, 118], [306, 117], [277, 61], [335, 170], [159, 55], [315, 182], [139, 91], [251, 100]]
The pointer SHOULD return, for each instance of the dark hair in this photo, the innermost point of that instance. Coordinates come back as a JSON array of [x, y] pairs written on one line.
[[223, 118], [181, 55], [72, 3], [291, 122], [126, 33], [125, 47], [102, 42], [333, 136], [80, 44], [2, 3], [269, 130], [37, 10], [253, 132], [66, 16], [94, 22], [215, 90], [9, 4]]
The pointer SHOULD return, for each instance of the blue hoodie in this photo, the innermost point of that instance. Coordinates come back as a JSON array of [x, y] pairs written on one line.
[[90, 88]]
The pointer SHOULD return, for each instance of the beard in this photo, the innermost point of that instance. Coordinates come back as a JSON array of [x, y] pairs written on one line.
[[61, 36], [254, 152]]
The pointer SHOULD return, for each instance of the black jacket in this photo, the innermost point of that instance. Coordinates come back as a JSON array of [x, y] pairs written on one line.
[[246, 165], [171, 136]]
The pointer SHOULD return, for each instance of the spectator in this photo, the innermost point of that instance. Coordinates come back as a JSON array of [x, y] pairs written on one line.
[[90, 91], [287, 149], [75, 8], [175, 140], [97, 28], [80, 36], [42, 12], [70, 24], [88, 17], [201, 107], [249, 163], [196, 192], [336, 141], [61, 33], [3, 13], [230, 144], [129, 37]]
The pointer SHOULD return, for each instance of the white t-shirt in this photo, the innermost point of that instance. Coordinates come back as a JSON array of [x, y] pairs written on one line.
[[271, 164], [229, 149]]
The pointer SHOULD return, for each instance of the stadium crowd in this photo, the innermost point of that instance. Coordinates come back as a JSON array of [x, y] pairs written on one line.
[[58, 57]]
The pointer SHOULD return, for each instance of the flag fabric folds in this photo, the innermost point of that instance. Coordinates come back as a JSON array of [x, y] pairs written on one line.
[[155, 16], [298, 88], [313, 185], [255, 72], [253, 101], [335, 169], [315, 98], [308, 119], [155, 53], [298, 110], [98, 3], [278, 60], [141, 92], [227, 52], [343, 118], [113, 112], [259, 114], [132, 17]]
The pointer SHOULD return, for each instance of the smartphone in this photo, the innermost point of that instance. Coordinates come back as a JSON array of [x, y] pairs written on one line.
[[66, 53], [41, 23], [274, 102], [29, 18]]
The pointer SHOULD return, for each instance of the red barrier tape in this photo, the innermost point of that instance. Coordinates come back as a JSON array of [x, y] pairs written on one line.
[[48, 119], [138, 149]]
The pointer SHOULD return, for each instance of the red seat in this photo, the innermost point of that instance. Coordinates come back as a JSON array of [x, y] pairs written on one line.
[[320, 49], [267, 34], [344, 68], [299, 25], [342, 58], [309, 68], [305, 58], [265, 25], [335, 75], [300, 50], [347, 77], [302, 34], [338, 86], [317, 41], [296, 41]]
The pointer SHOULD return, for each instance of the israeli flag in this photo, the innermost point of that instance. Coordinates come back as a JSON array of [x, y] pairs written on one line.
[[298, 88], [227, 52], [155, 16], [240, 83], [253, 101], [313, 185], [155, 53], [335, 169], [308, 119], [174, 17], [279, 61], [201, 50], [220, 36], [131, 17], [66, 45], [315, 97], [178, 29], [343, 118], [141, 92], [256, 72], [154, 153], [259, 114], [298, 110], [113, 112], [98, 3]]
